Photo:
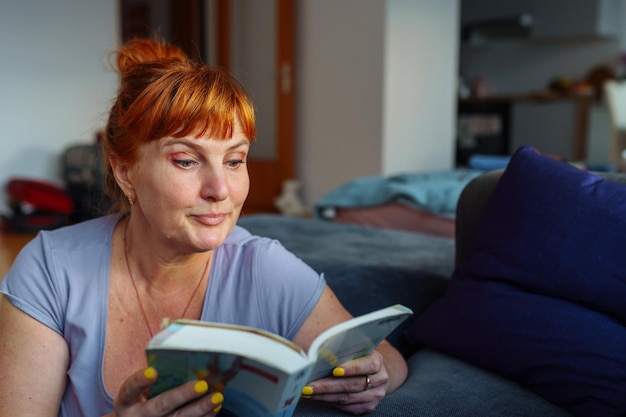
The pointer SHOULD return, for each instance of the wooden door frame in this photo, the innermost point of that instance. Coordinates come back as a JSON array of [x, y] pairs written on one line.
[[268, 175]]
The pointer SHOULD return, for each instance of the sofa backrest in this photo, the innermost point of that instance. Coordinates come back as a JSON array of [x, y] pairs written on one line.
[[474, 199]]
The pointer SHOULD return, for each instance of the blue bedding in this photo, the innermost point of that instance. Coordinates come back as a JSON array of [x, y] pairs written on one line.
[[435, 192]]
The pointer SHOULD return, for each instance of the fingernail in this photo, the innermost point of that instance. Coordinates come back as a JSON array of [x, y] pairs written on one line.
[[217, 399], [201, 387], [307, 391], [339, 372], [149, 373]]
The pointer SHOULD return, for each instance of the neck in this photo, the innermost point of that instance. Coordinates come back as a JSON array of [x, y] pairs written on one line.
[[159, 269], [175, 304]]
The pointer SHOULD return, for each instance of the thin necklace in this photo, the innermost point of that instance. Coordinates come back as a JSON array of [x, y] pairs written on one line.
[[132, 279]]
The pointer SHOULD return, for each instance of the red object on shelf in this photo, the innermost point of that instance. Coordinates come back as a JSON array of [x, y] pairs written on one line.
[[41, 195]]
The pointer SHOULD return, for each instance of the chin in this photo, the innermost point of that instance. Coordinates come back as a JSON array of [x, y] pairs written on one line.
[[216, 235]]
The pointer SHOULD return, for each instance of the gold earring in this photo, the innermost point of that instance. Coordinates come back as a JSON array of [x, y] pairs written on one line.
[[130, 199]]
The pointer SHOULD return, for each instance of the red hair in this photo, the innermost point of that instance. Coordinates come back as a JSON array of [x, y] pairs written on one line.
[[163, 93]]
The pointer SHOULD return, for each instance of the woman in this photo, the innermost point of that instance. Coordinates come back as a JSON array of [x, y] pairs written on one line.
[[80, 303]]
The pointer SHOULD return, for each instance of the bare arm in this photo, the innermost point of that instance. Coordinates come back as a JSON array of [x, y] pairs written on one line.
[[385, 367], [33, 365]]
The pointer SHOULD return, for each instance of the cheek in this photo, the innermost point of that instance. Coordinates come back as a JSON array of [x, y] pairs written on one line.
[[242, 188], [180, 191], [166, 190]]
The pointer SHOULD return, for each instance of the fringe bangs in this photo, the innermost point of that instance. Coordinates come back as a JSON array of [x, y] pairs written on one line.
[[198, 102]]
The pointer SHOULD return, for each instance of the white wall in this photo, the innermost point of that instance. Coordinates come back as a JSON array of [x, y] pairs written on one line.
[[339, 90], [376, 89], [421, 69], [55, 86]]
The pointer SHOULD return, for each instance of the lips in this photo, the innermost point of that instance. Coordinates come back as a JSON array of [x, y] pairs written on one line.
[[211, 219]]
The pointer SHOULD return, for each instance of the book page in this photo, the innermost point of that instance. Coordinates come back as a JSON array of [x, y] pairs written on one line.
[[354, 338]]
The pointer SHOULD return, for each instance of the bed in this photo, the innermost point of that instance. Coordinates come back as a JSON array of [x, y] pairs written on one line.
[[415, 202]]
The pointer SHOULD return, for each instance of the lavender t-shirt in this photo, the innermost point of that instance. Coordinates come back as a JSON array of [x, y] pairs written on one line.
[[61, 278]]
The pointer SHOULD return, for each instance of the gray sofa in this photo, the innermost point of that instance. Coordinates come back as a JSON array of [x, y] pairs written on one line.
[[370, 268]]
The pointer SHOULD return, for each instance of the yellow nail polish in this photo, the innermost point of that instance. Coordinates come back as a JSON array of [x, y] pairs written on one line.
[[339, 372], [217, 398], [201, 387], [149, 373], [307, 391], [217, 409]]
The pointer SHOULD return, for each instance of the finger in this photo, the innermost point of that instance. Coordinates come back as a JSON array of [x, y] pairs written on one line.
[[366, 365], [211, 403], [344, 385], [348, 384], [133, 390], [182, 397], [360, 402]]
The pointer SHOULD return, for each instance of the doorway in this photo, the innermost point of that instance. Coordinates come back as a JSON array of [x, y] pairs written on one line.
[[178, 22]]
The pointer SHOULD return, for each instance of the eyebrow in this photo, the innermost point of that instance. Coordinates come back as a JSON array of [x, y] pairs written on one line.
[[192, 143]]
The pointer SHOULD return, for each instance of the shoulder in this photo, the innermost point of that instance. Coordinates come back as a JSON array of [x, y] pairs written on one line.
[[60, 267], [82, 235], [279, 289], [241, 239], [241, 236], [242, 243], [59, 253], [265, 260]]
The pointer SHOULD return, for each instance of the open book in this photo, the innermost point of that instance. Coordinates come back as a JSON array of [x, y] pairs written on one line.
[[261, 374]]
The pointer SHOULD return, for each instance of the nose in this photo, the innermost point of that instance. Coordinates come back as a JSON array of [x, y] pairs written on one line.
[[214, 184]]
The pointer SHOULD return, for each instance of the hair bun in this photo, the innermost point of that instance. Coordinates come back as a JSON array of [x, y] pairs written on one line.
[[142, 51]]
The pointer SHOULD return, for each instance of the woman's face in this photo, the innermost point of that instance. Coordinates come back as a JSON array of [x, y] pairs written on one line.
[[191, 190]]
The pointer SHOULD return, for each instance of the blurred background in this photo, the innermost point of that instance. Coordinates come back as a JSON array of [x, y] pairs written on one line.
[[343, 89], [373, 83]]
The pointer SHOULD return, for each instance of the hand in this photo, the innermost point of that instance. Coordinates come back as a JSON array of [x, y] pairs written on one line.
[[356, 386], [190, 399]]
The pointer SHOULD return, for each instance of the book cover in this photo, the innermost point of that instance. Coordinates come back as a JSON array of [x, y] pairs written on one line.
[[261, 374]]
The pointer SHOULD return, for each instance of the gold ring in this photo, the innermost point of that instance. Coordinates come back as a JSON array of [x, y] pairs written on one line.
[[368, 383]]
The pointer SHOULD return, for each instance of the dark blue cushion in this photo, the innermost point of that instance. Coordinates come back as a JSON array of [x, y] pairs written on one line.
[[542, 297]]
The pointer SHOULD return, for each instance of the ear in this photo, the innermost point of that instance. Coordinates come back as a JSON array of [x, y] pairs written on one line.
[[123, 177]]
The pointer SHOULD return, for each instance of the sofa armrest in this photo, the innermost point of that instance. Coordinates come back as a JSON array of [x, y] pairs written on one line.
[[472, 203]]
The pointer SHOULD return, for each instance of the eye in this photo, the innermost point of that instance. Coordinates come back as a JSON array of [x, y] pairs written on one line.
[[184, 163], [234, 163]]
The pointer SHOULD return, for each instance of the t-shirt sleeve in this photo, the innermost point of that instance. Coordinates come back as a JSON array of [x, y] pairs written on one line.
[[30, 287], [291, 287]]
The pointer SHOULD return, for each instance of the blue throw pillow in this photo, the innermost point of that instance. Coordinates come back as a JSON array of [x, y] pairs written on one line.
[[542, 297]]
